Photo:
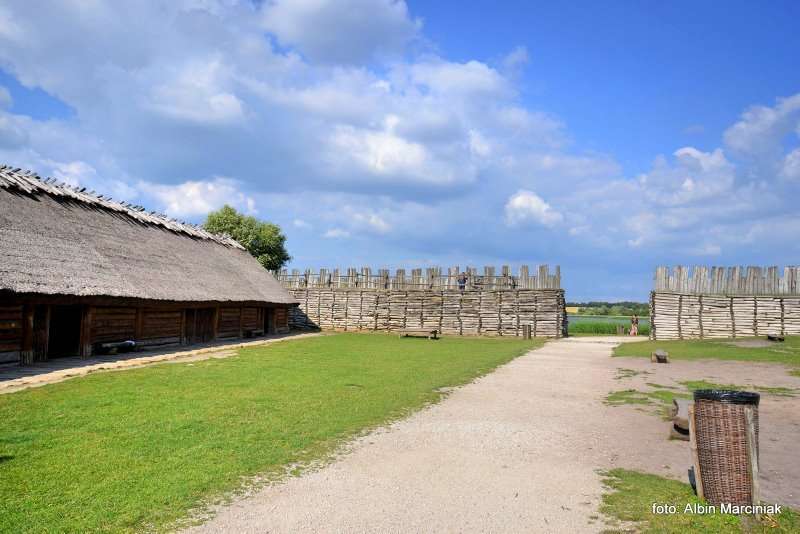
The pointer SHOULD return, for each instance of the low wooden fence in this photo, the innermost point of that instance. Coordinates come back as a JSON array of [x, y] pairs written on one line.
[[723, 302], [485, 307]]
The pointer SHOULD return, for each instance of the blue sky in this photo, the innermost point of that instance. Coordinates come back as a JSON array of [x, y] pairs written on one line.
[[605, 137]]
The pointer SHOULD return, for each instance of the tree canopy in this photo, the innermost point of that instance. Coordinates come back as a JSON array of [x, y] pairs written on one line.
[[263, 240]]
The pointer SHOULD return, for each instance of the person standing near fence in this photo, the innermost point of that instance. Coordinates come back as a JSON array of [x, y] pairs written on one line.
[[462, 281], [634, 325]]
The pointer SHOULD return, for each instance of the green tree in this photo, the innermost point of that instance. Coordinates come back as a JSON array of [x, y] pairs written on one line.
[[263, 240]]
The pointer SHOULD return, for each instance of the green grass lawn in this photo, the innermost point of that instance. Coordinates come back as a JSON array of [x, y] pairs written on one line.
[[787, 352], [661, 396], [631, 498], [140, 449]]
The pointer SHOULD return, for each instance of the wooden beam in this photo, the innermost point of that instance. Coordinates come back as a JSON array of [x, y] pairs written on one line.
[[216, 324], [86, 331], [698, 478], [752, 454], [26, 349], [184, 341]]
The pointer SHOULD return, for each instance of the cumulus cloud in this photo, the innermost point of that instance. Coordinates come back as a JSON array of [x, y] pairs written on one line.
[[760, 130], [791, 165], [193, 198], [341, 31], [694, 176], [5, 98], [294, 109], [336, 233], [525, 206]]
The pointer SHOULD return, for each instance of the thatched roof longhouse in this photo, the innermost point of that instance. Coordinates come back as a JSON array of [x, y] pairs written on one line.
[[58, 240]]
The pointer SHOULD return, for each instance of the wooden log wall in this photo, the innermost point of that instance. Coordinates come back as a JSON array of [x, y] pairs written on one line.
[[471, 312], [11, 332], [430, 278], [721, 302]]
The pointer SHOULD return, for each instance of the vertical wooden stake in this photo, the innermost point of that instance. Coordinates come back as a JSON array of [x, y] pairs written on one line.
[[26, 354], [86, 332], [752, 454], [700, 314], [183, 327], [698, 478]]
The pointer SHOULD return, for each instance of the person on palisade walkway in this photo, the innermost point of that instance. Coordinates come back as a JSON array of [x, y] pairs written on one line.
[[462, 281]]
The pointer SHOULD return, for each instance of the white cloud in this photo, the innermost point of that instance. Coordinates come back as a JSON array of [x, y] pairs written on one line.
[[790, 169], [370, 221], [196, 93], [515, 59], [336, 233], [13, 133], [526, 206], [761, 129], [472, 78], [193, 198], [74, 173], [5, 98], [695, 176], [418, 155], [341, 31]]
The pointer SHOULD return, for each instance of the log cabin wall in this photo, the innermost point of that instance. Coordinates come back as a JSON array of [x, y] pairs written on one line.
[[25, 323], [723, 302], [11, 332]]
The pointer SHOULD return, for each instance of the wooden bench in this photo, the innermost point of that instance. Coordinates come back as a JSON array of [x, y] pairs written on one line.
[[418, 332]]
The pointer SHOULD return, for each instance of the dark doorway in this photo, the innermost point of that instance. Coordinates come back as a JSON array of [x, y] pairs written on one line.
[[269, 321], [41, 334], [190, 326], [203, 325], [64, 337]]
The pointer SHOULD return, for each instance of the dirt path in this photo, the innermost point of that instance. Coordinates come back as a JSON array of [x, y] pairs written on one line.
[[515, 451]]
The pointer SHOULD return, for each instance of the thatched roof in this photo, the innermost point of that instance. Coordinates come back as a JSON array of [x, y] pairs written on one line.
[[59, 240]]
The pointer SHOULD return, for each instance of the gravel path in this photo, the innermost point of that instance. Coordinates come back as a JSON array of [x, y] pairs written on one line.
[[515, 451]]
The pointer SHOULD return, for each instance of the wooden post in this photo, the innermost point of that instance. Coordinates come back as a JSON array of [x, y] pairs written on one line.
[[752, 454], [139, 328], [183, 327], [733, 319], [698, 478], [680, 311], [215, 324], [499, 313], [26, 350], [755, 316], [86, 332], [700, 314], [653, 312], [346, 308]]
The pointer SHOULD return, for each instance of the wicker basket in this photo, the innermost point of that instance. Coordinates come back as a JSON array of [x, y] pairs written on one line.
[[721, 435]]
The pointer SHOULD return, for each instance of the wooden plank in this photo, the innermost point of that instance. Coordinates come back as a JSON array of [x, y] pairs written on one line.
[[752, 453], [86, 332], [698, 478]]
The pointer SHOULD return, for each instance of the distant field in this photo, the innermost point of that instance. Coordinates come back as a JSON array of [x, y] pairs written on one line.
[[604, 324]]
